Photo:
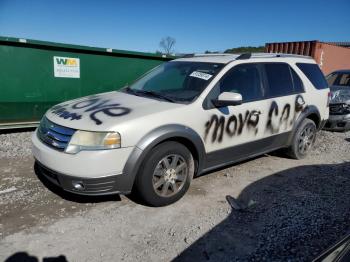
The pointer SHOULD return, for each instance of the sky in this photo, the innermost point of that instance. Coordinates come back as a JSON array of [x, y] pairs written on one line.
[[197, 26]]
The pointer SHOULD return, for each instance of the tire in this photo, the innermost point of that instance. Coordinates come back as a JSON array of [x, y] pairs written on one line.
[[165, 174], [303, 140]]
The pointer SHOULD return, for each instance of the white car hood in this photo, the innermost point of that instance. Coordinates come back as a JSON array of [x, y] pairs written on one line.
[[103, 112]]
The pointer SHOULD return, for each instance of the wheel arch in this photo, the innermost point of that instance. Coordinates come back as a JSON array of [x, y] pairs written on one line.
[[178, 133], [311, 112], [316, 118]]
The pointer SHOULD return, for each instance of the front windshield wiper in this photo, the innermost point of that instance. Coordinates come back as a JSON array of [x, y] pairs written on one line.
[[150, 93]]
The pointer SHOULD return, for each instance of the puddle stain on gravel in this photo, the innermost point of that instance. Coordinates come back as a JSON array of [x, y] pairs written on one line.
[[196, 190], [8, 190]]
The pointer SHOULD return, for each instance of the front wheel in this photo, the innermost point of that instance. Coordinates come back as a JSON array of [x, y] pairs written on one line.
[[165, 175], [303, 140]]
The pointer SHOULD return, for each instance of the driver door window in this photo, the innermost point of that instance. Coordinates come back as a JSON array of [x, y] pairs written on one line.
[[244, 79]]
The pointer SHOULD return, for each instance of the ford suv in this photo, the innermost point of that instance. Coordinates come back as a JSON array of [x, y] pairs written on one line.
[[183, 118]]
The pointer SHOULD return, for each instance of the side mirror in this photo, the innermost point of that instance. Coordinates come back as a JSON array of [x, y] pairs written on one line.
[[228, 99]]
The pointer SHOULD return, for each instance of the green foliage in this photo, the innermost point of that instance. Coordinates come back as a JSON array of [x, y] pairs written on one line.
[[211, 52], [246, 49]]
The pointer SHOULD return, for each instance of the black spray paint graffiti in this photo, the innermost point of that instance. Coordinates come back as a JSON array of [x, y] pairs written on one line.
[[232, 126], [61, 111], [274, 126], [274, 123], [94, 106]]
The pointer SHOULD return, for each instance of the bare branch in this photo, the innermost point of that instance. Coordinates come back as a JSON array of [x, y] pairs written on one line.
[[167, 44]]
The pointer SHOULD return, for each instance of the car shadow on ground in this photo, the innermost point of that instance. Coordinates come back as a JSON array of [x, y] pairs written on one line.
[[70, 196], [291, 215], [17, 130], [25, 257], [347, 139]]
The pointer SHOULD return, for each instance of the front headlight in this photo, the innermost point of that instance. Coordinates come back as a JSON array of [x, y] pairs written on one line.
[[346, 108], [85, 140]]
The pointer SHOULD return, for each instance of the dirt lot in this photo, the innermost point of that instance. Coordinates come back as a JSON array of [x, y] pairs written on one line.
[[283, 210]]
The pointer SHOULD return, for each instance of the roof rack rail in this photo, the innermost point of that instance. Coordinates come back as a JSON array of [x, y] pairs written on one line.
[[205, 55], [213, 54], [282, 55], [244, 56], [188, 55], [267, 55]]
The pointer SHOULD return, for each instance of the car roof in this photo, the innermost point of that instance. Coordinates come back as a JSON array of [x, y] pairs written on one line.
[[227, 58]]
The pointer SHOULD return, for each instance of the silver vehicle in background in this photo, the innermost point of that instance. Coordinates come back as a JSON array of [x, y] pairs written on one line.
[[339, 108]]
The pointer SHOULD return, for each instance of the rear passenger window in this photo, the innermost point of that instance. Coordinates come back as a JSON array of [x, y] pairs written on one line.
[[314, 74], [279, 79], [298, 84]]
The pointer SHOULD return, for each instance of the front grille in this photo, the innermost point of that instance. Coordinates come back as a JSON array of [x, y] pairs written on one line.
[[339, 109], [54, 135]]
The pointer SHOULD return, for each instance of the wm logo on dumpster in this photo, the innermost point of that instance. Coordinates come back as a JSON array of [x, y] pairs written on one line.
[[66, 67], [66, 61]]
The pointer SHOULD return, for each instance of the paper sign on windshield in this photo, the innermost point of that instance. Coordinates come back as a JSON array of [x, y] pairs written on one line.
[[201, 75]]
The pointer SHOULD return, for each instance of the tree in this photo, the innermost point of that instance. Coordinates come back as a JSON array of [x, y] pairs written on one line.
[[167, 44], [211, 52], [245, 49]]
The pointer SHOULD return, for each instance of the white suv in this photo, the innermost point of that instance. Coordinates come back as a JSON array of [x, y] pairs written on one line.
[[183, 118]]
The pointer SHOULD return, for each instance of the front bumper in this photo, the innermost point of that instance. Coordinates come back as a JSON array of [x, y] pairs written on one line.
[[98, 172], [77, 185], [338, 123]]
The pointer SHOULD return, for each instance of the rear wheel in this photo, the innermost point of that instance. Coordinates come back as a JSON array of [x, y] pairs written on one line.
[[303, 139], [165, 175]]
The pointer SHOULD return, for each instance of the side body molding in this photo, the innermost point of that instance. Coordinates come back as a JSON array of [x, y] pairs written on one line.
[[156, 136]]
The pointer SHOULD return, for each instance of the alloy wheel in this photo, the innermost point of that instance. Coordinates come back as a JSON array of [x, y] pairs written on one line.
[[170, 175], [306, 139]]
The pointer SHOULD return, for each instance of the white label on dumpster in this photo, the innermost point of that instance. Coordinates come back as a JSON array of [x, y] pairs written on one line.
[[66, 67]]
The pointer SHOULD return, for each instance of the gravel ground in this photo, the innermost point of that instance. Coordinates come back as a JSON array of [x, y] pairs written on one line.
[[15, 145], [278, 209]]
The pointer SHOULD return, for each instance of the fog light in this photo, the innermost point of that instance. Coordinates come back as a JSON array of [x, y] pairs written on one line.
[[78, 185]]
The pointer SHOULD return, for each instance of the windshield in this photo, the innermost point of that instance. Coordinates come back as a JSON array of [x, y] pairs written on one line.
[[179, 82], [340, 96], [339, 79]]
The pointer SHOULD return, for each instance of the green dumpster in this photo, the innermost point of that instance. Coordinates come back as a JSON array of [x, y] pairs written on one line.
[[34, 75]]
